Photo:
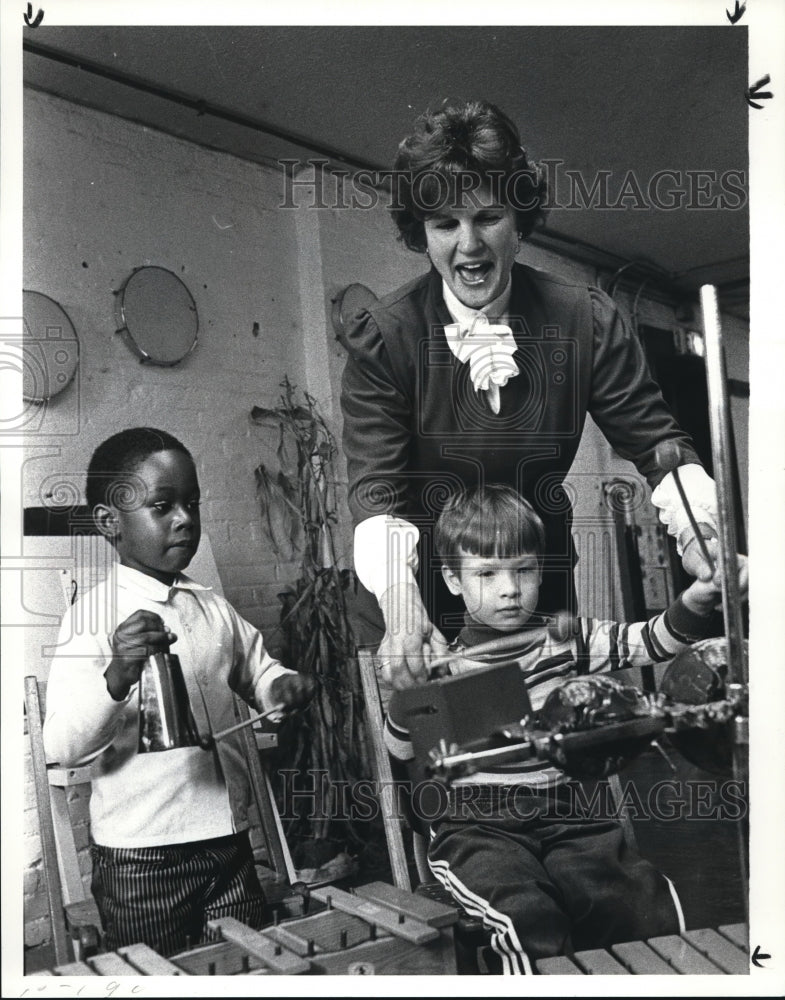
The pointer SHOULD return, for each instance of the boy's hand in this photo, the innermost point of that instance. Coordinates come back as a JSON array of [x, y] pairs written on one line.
[[292, 691], [693, 560], [133, 641], [702, 596]]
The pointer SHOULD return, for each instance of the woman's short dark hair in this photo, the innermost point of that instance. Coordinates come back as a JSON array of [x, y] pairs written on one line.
[[475, 141], [109, 474], [492, 521]]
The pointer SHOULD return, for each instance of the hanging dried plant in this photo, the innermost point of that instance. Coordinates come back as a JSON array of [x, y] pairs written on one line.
[[298, 507]]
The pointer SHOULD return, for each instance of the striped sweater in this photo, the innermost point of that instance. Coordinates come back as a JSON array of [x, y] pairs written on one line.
[[599, 646]]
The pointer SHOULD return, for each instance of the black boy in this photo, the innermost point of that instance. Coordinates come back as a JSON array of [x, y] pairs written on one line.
[[169, 833]]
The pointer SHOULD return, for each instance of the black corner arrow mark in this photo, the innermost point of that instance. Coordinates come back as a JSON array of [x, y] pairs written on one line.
[[758, 956], [738, 12], [29, 17], [760, 95]]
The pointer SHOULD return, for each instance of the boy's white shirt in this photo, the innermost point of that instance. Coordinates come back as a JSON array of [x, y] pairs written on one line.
[[385, 546], [173, 796]]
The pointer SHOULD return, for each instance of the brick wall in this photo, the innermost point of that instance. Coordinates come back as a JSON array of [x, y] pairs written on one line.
[[104, 196]]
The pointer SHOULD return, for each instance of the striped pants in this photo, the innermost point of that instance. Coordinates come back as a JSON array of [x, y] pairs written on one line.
[[545, 885], [164, 896]]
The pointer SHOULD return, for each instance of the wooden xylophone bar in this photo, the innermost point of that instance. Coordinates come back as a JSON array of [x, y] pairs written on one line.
[[693, 953]]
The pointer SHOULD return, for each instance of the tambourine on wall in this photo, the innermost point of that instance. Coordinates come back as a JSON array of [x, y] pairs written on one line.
[[51, 348], [157, 316], [349, 302]]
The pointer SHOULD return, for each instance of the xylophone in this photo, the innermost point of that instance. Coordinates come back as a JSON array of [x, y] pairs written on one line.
[[376, 930], [343, 947], [337, 941], [693, 953]]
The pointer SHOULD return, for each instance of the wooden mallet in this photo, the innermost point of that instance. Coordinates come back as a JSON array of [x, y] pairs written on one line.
[[560, 628], [208, 742]]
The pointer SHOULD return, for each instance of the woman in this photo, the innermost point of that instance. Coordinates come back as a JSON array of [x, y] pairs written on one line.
[[483, 371]]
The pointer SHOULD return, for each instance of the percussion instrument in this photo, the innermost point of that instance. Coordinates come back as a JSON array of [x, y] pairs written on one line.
[[590, 726], [339, 942], [50, 358], [165, 720], [721, 952], [157, 316], [375, 930]]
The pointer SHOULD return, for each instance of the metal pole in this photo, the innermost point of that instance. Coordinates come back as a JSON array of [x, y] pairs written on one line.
[[719, 416], [719, 419]]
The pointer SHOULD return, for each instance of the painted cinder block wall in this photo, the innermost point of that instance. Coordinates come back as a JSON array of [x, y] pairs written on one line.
[[103, 196]]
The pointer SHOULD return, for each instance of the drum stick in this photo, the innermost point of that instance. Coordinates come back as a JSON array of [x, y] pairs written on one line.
[[668, 457], [214, 737], [562, 626]]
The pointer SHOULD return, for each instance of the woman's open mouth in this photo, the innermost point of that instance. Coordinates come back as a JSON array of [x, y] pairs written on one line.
[[474, 274]]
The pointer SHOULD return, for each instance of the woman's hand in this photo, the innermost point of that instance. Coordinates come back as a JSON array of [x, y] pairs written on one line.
[[410, 640]]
